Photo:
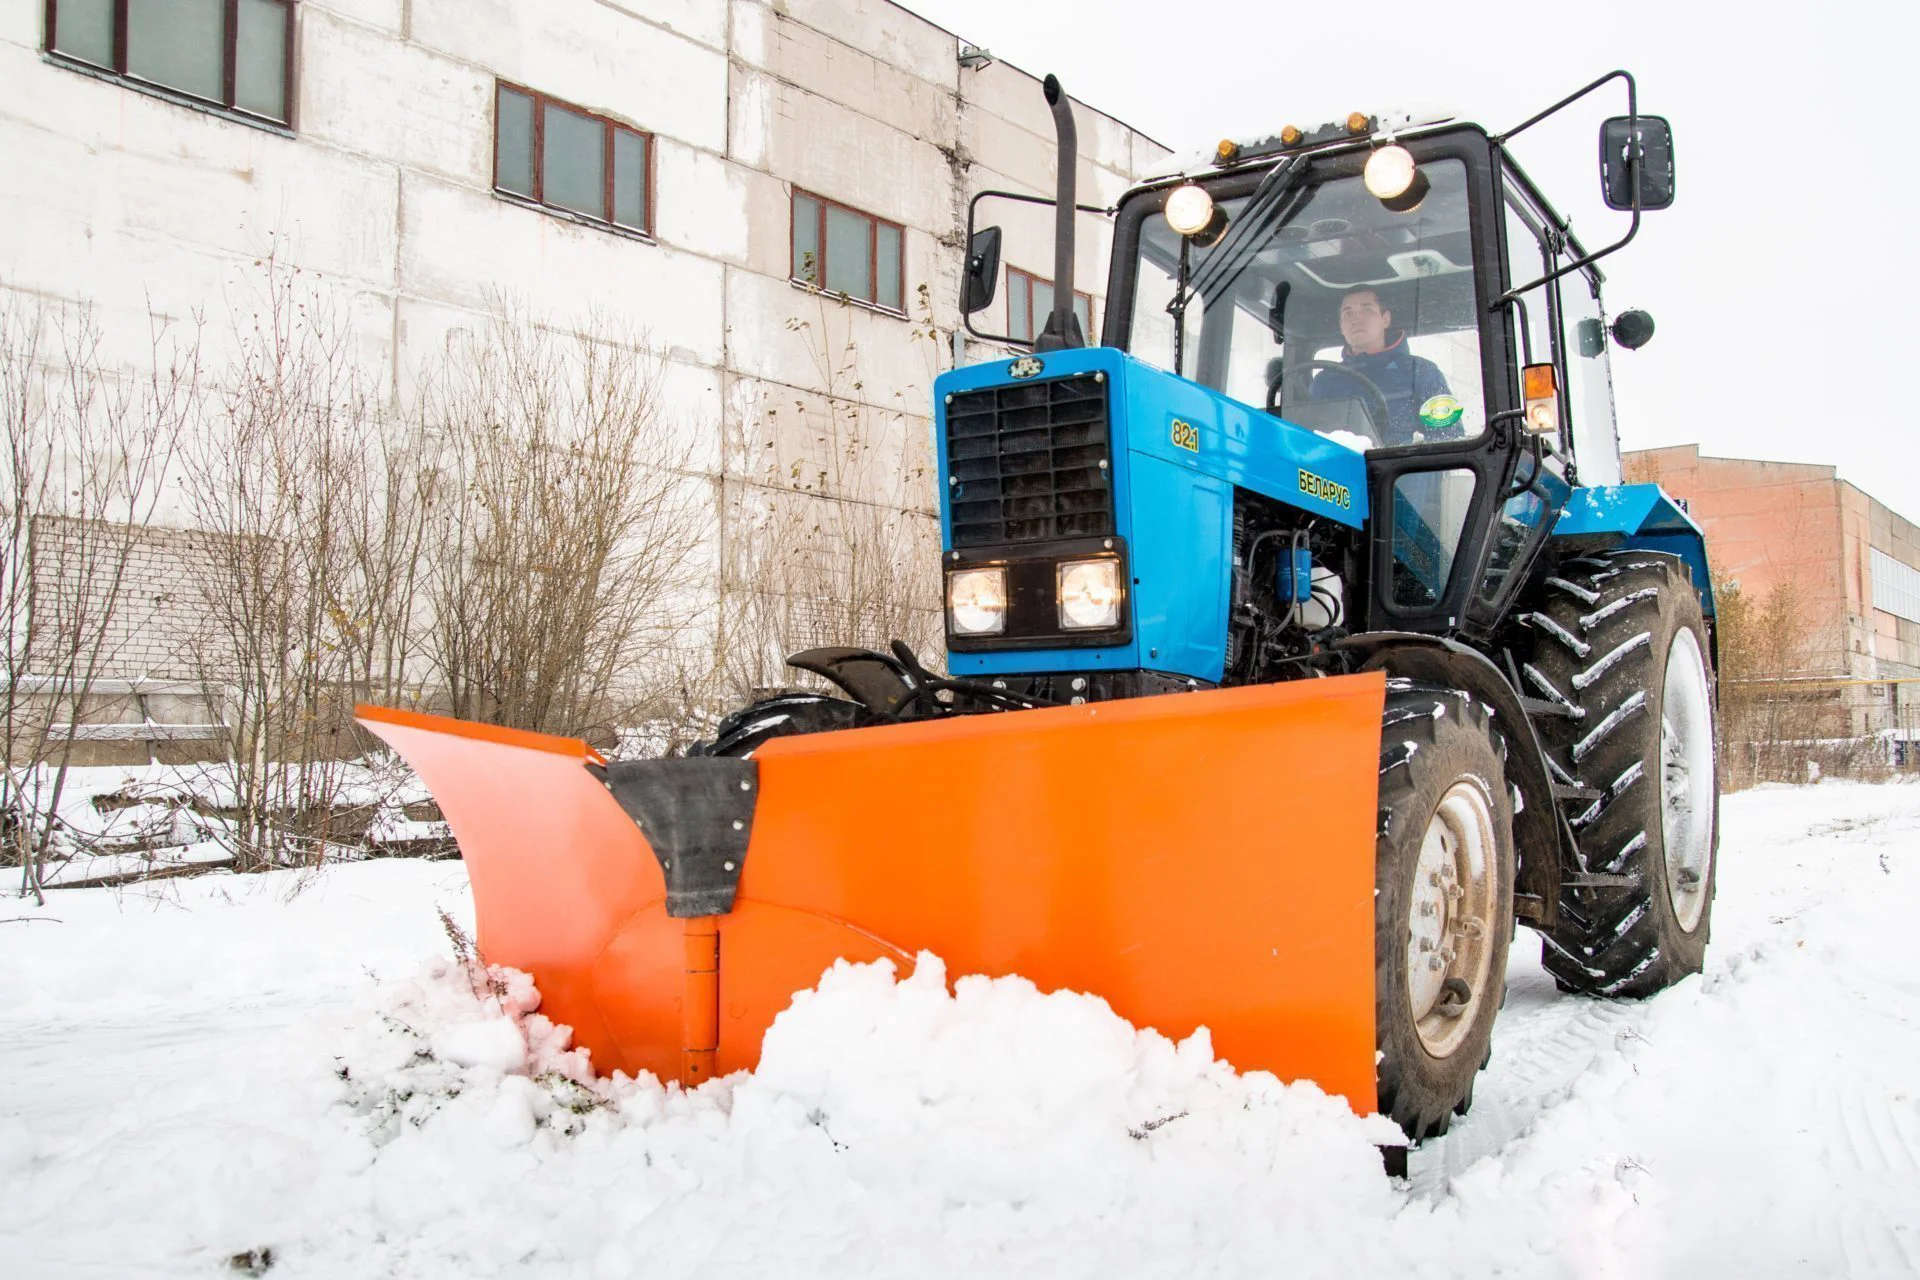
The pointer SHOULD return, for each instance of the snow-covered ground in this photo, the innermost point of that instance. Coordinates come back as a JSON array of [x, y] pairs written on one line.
[[229, 1065]]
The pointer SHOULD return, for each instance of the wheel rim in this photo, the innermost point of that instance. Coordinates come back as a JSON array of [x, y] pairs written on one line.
[[1686, 779], [1449, 920]]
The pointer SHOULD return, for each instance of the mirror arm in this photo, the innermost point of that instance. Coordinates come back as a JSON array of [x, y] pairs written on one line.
[[1633, 176], [1502, 138], [1633, 229], [1023, 198]]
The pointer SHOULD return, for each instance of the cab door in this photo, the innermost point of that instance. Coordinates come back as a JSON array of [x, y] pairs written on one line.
[[1435, 504]]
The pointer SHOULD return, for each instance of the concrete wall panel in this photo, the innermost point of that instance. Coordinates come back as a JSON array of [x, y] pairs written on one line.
[[466, 248], [889, 32], [446, 126], [589, 54]]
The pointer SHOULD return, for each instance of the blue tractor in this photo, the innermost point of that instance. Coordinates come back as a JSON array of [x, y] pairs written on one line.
[[1350, 413]]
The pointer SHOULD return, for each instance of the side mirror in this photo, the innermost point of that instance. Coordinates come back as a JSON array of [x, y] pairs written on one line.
[[1633, 329], [1646, 141], [982, 277]]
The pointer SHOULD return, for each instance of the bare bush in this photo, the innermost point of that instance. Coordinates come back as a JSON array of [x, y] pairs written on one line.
[[86, 455], [305, 510], [1767, 720], [829, 540], [565, 552]]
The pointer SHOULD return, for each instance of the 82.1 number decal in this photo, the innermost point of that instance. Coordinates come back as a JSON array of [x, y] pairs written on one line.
[[1185, 436]]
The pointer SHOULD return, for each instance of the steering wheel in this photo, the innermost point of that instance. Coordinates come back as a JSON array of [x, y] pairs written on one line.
[[1372, 399]]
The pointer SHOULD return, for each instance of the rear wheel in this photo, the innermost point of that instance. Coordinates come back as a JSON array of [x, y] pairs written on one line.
[[1620, 640], [1443, 905]]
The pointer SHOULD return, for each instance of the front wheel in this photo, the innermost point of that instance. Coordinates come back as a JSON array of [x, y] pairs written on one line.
[[1443, 905]]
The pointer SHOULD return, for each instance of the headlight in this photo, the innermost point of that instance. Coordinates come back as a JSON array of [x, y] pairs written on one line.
[[1089, 594], [1189, 208], [1394, 179], [977, 601]]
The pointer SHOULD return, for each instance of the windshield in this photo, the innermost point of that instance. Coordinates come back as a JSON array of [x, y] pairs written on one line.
[[1327, 308]]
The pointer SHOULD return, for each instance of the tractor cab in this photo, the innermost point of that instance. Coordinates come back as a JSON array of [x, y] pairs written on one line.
[[1403, 288]]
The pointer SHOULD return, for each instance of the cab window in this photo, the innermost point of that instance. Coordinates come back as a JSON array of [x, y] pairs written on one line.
[[1328, 309]]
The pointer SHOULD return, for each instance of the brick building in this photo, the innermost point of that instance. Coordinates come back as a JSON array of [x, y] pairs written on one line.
[[1855, 568]]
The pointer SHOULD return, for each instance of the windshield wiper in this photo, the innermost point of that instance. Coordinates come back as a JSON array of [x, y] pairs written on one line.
[[1243, 240]]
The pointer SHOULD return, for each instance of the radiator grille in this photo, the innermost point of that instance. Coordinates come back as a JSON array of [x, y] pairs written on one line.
[[1029, 462]]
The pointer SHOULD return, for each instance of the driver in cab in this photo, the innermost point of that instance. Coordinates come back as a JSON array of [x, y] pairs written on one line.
[[1378, 352]]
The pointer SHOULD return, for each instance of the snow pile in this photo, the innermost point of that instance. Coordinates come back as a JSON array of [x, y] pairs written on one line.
[[454, 1031], [968, 1127]]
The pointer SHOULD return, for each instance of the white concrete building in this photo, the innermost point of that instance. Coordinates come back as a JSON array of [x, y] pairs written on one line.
[[673, 164]]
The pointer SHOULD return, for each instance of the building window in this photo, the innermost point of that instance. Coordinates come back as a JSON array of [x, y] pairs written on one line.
[[843, 250], [565, 158], [233, 54], [1030, 300], [1896, 585]]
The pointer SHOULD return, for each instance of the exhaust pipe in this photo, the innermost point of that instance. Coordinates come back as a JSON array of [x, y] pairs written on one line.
[[1062, 329]]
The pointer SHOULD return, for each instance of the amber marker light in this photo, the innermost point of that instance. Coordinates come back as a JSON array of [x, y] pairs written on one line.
[[1226, 152], [1357, 122], [1290, 136], [1541, 394]]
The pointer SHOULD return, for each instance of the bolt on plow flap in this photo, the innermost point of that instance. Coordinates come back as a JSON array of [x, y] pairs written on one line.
[[1198, 859]]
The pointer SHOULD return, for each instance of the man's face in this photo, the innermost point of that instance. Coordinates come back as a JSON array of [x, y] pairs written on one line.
[[1363, 322]]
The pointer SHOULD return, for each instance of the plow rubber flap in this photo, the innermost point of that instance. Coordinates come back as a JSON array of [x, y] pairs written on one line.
[[1201, 859]]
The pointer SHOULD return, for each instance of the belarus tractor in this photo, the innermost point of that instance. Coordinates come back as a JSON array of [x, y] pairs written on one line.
[[1301, 640]]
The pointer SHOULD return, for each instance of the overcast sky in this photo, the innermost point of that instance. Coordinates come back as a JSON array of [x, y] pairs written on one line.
[[1784, 276]]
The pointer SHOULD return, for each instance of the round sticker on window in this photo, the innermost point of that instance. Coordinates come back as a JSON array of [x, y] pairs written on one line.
[[1440, 413]]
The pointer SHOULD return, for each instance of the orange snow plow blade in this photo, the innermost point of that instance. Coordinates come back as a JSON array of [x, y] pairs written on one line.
[[1201, 859]]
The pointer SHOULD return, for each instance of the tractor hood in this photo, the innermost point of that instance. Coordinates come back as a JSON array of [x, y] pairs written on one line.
[[1068, 452]]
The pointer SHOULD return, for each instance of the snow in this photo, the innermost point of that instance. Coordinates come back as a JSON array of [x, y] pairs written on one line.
[[216, 1067], [1351, 439]]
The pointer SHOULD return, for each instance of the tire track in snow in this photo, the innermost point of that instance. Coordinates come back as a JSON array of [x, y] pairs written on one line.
[[1543, 1043], [1872, 1246]]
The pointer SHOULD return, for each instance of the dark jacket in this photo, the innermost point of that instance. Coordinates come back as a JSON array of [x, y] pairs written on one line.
[[1407, 380]]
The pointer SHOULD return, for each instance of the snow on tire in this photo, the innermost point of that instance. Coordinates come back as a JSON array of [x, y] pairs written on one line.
[[1618, 638], [1443, 902]]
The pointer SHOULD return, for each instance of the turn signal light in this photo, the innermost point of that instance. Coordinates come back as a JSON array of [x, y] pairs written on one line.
[[1541, 394]]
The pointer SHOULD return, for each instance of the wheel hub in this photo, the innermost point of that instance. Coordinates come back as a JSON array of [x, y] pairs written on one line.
[[1686, 779], [1448, 924]]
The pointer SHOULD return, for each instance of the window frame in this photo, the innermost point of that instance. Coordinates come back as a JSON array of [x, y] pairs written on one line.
[[610, 126], [1035, 323], [874, 221], [229, 66]]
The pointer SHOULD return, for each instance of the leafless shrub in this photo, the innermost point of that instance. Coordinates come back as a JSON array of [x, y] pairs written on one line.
[[829, 535], [1768, 720], [304, 509], [566, 542], [86, 453]]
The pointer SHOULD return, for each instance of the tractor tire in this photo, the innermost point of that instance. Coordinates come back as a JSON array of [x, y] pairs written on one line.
[[1443, 902], [744, 731], [1619, 639]]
